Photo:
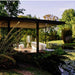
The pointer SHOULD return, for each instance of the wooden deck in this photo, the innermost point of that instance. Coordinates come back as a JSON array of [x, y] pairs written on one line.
[[23, 50], [28, 50]]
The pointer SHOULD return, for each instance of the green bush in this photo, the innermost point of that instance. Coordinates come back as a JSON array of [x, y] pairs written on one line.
[[48, 61], [68, 45], [52, 46], [6, 47], [59, 51], [67, 35]]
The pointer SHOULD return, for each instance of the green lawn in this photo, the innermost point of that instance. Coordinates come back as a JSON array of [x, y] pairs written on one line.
[[57, 42], [71, 55]]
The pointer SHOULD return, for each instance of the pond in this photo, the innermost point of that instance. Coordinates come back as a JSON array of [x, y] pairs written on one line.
[[68, 68]]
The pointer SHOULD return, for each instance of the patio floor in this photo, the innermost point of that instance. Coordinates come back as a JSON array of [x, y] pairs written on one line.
[[28, 50]]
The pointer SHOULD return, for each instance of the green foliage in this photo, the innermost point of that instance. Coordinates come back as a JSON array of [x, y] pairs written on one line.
[[58, 42], [2, 10], [7, 48], [59, 31], [51, 34], [48, 61], [67, 16], [69, 46], [73, 20], [6, 44], [73, 27], [10, 8], [3, 32], [31, 32], [27, 32], [41, 35], [52, 46], [67, 38], [59, 51], [67, 35]]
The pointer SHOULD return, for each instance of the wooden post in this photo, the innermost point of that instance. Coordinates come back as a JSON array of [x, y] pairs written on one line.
[[8, 26], [37, 36]]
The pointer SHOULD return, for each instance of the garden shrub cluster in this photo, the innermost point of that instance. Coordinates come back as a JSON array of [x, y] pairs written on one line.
[[48, 61], [67, 38], [6, 48], [52, 46], [59, 51], [67, 35]]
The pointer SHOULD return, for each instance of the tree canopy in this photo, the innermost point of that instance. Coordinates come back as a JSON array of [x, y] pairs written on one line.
[[50, 17], [67, 16], [2, 10], [10, 8]]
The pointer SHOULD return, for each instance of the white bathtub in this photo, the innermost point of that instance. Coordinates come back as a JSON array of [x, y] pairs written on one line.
[[42, 46]]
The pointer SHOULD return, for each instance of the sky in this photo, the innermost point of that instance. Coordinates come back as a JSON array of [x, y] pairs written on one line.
[[41, 8]]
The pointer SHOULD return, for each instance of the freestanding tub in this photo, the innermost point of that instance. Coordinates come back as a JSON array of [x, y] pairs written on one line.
[[42, 46]]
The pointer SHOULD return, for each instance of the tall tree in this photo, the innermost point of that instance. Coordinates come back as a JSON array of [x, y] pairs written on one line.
[[51, 30], [12, 7], [2, 10], [67, 16], [50, 17]]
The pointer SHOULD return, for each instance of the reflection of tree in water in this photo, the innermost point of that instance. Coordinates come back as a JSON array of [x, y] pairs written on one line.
[[68, 68]]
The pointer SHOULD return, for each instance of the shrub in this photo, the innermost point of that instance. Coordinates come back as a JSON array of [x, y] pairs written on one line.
[[52, 46], [6, 48], [68, 45], [48, 61], [59, 51], [67, 35]]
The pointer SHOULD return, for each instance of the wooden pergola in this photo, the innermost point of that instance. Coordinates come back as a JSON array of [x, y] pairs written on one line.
[[10, 22]]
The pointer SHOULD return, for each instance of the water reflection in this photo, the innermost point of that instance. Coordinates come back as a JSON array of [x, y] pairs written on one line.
[[68, 68]]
